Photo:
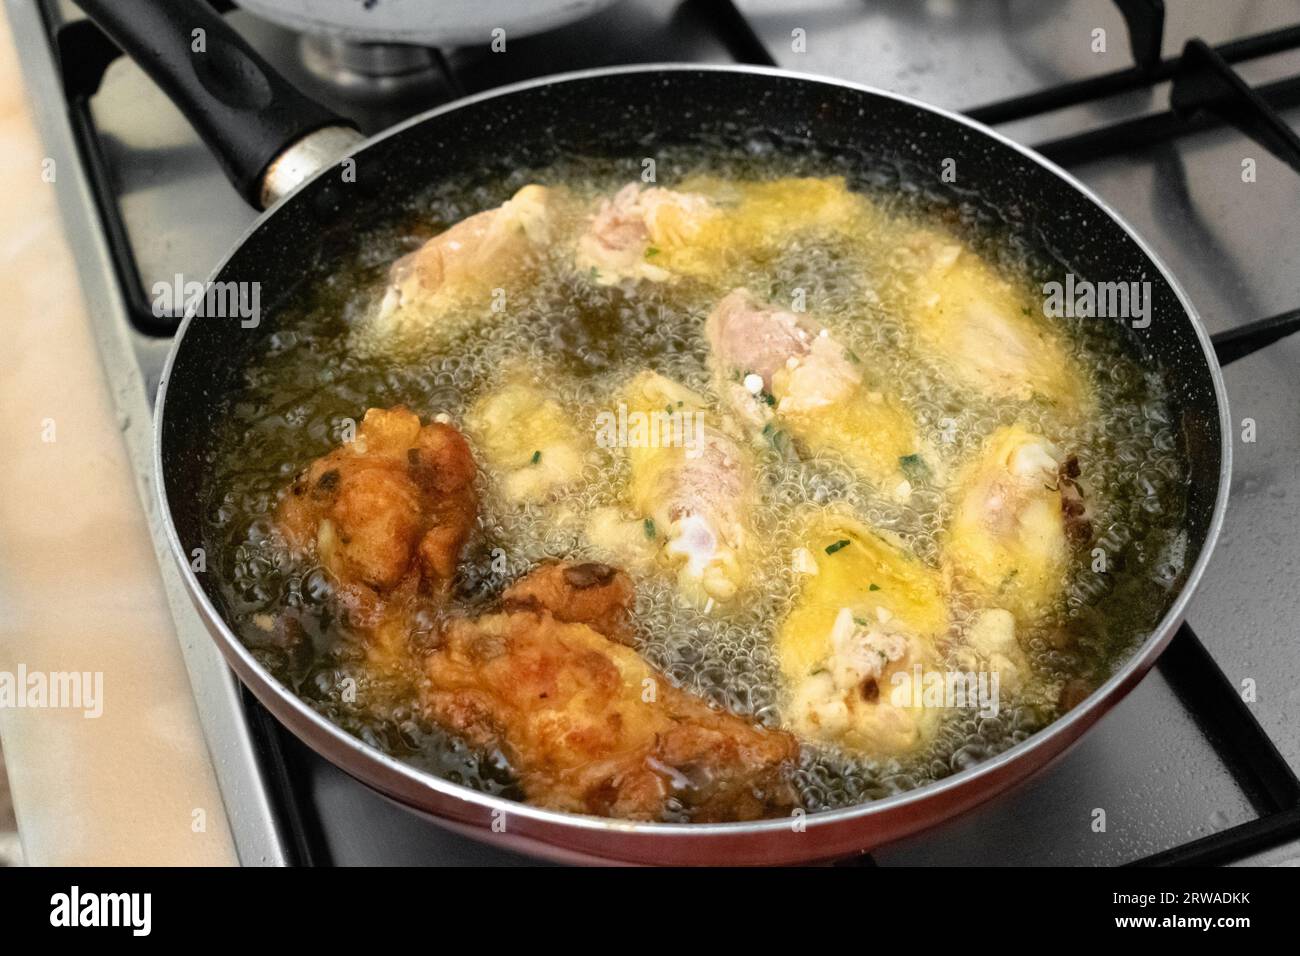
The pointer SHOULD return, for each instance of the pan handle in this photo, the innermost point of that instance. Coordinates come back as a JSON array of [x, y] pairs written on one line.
[[267, 135]]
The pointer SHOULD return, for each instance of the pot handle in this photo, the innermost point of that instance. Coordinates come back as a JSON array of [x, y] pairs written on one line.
[[251, 117]]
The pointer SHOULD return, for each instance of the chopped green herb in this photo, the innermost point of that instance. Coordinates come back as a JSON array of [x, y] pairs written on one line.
[[537, 456], [832, 548], [861, 622], [874, 587], [913, 466], [651, 252], [649, 527], [767, 397]]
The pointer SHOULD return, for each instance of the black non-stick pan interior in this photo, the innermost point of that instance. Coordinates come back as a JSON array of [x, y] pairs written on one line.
[[628, 114]]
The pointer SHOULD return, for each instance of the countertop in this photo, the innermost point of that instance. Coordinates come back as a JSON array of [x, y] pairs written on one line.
[[80, 589]]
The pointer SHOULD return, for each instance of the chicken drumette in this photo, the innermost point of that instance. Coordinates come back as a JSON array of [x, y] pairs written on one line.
[[784, 372], [387, 515], [396, 500], [428, 289], [587, 724]]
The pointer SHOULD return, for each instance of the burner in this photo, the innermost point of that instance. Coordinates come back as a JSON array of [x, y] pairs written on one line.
[[370, 70]]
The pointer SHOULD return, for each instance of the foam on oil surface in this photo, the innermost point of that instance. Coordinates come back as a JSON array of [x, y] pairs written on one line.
[[589, 340]]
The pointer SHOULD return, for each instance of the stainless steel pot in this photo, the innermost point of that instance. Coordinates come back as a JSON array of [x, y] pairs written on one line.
[[423, 22]]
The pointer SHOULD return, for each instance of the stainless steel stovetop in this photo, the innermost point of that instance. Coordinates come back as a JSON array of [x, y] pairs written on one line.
[[1180, 760]]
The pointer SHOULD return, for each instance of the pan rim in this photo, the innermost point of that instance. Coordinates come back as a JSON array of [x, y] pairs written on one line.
[[1085, 713]]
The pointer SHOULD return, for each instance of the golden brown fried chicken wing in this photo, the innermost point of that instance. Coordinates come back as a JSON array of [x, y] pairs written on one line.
[[593, 594], [586, 723], [396, 501]]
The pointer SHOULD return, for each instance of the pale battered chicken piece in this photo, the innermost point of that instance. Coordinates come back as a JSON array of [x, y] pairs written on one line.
[[587, 725], [614, 534], [396, 502], [867, 617], [784, 373], [987, 332], [1018, 512], [629, 231], [691, 490], [991, 645], [471, 258], [762, 215], [709, 225], [529, 443]]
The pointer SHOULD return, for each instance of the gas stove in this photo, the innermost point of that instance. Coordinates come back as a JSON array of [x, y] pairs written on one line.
[[1199, 763]]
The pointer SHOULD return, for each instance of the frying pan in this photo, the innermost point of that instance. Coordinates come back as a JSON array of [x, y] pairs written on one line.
[[279, 148]]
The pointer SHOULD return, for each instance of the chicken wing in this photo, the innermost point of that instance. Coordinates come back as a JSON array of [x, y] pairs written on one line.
[[866, 617], [593, 594], [655, 234], [586, 723], [527, 440], [636, 227], [469, 259], [783, 372], [691, 489], [387, 515], [985, 331], [1018, 512]]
